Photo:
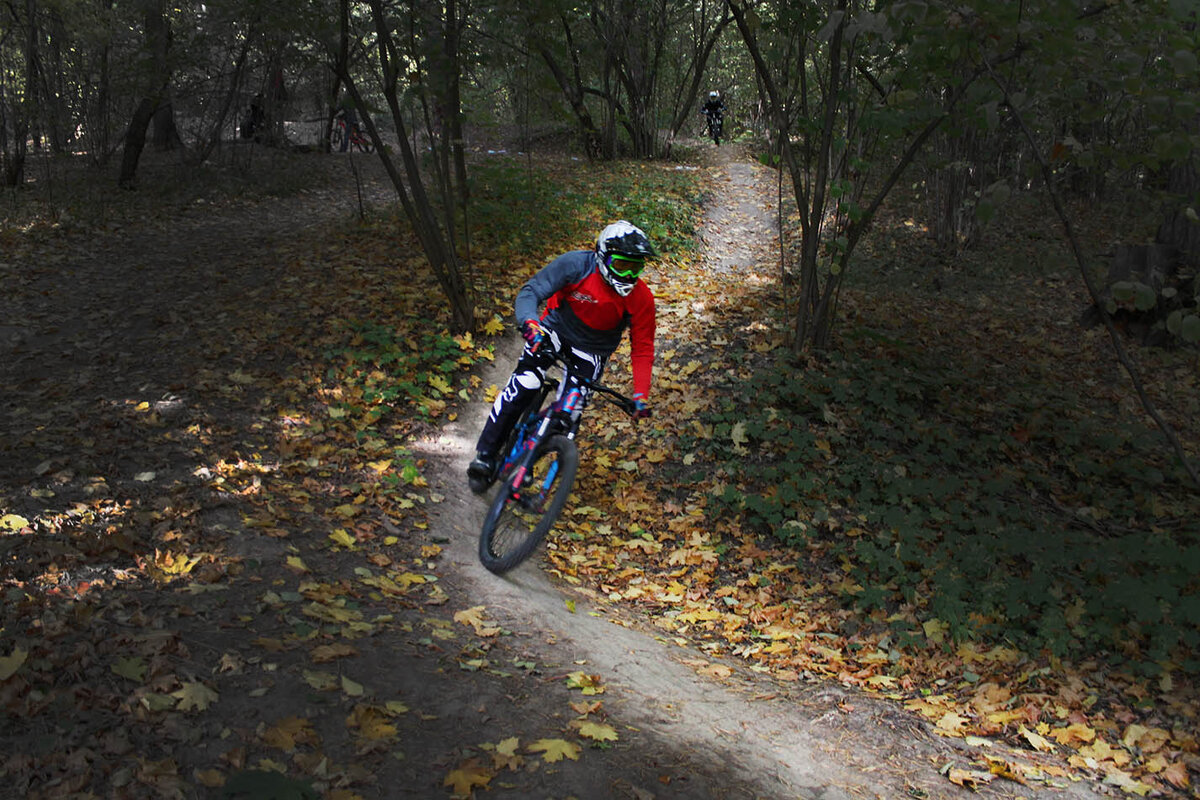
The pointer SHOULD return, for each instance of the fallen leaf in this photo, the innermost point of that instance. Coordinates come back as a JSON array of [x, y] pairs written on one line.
[[553, 750], [290, 732], [597, 731], [343, 539], [194, 697], [1035, 740], [588, 684], [12, 522], [466, 777], [330, 652], [321, 681], [132, 668], [11, 663]]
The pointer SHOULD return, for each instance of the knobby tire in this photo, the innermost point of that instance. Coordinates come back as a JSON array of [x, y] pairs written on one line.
[[520, 518]]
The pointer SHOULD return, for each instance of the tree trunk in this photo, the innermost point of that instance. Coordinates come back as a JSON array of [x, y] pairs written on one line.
[[571, 88], [158, 43], [166, 133], [14, 169], [135, 142], [435, 242]]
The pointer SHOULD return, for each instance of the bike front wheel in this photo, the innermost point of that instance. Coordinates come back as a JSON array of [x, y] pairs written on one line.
[[527, 504]]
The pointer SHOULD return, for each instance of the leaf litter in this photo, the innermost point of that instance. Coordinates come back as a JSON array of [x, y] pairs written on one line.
[[254, 498]]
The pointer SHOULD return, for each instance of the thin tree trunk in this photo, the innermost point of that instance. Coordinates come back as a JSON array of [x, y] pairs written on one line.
[[135, 142], [158, 43], [441, 256]]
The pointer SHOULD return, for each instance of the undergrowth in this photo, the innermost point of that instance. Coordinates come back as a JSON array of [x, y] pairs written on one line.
[[537, 212], [1008, 510]]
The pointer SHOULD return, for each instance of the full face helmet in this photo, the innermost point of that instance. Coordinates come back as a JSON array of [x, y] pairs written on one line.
[[713, 95], [621, 252]]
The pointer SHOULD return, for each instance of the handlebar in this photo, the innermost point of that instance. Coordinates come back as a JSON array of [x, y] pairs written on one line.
[[626, 404]]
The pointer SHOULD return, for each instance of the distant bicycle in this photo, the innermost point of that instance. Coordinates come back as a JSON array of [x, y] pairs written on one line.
[[714, 126], [357, 140]]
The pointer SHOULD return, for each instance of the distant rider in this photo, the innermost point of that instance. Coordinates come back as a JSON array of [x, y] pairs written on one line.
[[714, 110], [591, 297]]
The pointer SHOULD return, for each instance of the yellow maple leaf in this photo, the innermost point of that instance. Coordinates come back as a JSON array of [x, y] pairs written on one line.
[[1075, 732], [474, 617], [505, 755], [288, 732], [738, 435], [168, 563], [194, 697], [588, 684], [466, 777], [555, 749], [597, 731], [372, 723], [1037, 741], [951, 722], [494, 326], [406, 579], [935, 630], [342, 538], [352, 688], [296, 563], [329, 652]]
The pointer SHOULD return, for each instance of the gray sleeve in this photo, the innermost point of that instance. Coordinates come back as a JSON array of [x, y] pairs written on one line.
[[563, 271]]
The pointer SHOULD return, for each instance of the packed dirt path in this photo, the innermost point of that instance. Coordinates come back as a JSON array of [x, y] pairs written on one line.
[[479, 687], [771, 739]]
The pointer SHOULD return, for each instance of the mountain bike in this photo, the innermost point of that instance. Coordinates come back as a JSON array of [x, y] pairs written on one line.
[[357, 140], [539, 467], [714, 127]]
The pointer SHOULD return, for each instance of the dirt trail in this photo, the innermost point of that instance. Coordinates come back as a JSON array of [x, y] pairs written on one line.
[[778, 740]]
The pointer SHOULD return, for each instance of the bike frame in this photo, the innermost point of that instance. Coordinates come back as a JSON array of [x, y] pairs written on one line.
[[561, 417]]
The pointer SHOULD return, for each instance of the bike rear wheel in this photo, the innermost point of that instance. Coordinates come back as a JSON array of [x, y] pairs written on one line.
[[527, 506]]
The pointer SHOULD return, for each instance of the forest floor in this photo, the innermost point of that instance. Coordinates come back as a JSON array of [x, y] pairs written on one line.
[[133, 351]]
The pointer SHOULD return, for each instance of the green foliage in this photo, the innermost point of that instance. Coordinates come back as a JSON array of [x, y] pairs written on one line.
[[265, 785], [389, 368], [539, 214], [1175, 308], [1005, 509]]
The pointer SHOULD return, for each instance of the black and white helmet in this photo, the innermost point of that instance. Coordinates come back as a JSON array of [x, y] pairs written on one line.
[[713, 95], [621, 252]]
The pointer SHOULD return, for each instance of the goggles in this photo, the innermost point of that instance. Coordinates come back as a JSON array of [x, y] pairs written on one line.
[[627, 267]]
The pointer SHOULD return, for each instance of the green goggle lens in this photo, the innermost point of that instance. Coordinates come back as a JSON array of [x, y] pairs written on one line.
[[624, 266]]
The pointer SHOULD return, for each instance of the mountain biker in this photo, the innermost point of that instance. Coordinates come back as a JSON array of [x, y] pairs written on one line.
[[591, 297], [713, 109]]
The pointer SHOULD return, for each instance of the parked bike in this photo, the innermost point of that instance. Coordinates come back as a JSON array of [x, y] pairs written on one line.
[[357, 140], [539, 467]]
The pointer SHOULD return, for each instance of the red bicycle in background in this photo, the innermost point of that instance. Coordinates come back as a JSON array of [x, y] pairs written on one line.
[[356, 139]]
